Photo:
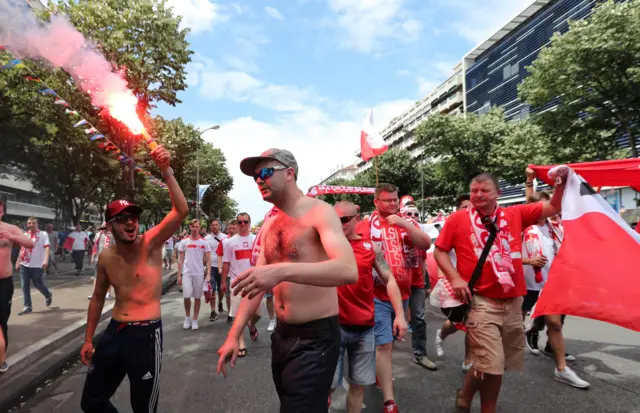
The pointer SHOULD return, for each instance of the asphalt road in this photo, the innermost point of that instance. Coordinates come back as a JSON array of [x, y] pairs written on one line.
[[608, 357]]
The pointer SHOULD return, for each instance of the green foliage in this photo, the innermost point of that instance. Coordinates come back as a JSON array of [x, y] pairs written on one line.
[[593, 70]]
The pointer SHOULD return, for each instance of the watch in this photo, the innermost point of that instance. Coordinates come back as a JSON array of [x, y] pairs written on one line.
[[167, 172]]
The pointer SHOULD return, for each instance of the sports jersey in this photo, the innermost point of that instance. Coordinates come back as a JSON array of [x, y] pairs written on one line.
[[34, 257], [194, 252], [237, 252], [356, 300]]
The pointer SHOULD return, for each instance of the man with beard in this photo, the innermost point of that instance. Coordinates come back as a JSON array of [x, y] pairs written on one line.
[[132, 343], [304, 257], [9, 234], [400, 239]]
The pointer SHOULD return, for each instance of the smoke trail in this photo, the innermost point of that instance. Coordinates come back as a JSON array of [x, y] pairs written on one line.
[[60, 44]]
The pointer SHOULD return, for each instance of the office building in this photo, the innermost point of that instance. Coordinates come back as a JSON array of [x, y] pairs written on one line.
[[23, 201], [342, 172]]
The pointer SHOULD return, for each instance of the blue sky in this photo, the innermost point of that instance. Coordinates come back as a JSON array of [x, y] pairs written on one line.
[[302, 74]]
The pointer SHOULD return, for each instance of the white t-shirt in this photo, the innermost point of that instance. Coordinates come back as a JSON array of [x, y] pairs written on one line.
[[194, 253], [547, 250], [168, 244], [79, 238], [237, 252], [34, 257], [213, 243]]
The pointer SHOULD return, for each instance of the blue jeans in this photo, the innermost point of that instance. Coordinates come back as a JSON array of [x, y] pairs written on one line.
[[27, 276], [418, 324], [360, 346]]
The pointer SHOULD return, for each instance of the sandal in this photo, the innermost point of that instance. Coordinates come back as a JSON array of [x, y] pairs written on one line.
[[242, 352], [254, 333]]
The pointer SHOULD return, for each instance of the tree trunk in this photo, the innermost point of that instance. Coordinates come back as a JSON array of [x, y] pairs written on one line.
[[632, 140]]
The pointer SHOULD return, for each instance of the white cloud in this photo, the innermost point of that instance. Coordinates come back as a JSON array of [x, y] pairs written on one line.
[[273, 12], [477, 20], [367, 22], [431, 75], [318, 140], [202, 15]]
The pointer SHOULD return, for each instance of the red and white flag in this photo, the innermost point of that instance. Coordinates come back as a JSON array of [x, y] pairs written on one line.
[[594, 274], [371, 143]]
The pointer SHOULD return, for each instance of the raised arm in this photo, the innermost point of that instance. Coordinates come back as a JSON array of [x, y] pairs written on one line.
[[14, 234], [95, 310], [157, 236]]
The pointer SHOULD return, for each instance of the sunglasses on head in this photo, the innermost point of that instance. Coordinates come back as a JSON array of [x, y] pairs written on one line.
[[243, 222], [265, 173], [123, 219], [347, 219]]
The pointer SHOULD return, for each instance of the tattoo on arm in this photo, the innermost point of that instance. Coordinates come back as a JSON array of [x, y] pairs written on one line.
[[382, 262]]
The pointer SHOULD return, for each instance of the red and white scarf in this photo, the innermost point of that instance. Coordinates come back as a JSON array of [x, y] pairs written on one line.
[[533, 246], [400, 257], [255, 252], [107, 242], [26, 252], [500, 252], [556, 231]]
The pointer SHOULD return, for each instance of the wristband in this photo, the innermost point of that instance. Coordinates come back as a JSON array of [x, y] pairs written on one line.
[[167, 172]]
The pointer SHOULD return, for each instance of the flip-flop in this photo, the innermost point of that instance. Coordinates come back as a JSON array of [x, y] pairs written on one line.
[[242, 352], [254, 333]]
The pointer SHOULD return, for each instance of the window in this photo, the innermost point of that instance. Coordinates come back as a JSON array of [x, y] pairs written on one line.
[[474, 82], [485, 108], [510, 70]]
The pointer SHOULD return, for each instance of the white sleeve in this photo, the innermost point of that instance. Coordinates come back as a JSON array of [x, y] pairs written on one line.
[[226, 252], [207, 247], [45, 239]]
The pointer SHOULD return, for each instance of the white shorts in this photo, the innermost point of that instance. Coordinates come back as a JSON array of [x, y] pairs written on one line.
[[192, 286], [235, 304]]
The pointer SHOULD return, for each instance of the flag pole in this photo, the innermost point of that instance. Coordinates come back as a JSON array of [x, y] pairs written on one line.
[[376, 161]]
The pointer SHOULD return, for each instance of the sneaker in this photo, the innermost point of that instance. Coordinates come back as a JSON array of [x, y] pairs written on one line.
[[466, 367], [271, 326], [229, 319], [549, 352], [220, 309], [4, 367], [25, 310], [569, 377], [194, 325], [89, 297], [213, 316], [439, 343], [187, 323], [425, 362], [409, 329], [390, 406], [48, 300], [532, 342]]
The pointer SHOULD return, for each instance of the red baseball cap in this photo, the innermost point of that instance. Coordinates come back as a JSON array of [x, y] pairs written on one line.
[[119, 206]]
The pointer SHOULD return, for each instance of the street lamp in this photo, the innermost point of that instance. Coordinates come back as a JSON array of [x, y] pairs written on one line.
[[214, 127]]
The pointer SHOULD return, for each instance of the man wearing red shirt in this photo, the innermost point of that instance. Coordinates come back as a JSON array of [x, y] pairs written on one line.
[[357, 309], [400, 241], [494, 323]]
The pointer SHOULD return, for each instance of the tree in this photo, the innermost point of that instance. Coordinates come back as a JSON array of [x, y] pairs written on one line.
[[593, 72], [460, 146]]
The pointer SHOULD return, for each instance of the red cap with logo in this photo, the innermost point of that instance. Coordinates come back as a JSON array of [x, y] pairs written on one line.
[[119, 206]]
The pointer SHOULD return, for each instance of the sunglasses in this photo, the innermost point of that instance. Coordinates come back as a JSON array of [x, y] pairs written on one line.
[[265, 173], [123, 219], [242, 222], [347, 219], [412, 214]]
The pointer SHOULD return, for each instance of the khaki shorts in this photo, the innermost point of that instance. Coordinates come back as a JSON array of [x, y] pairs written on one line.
[[496, 334]]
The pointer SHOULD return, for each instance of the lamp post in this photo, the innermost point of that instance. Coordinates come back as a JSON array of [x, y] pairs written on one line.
[[214, 127]]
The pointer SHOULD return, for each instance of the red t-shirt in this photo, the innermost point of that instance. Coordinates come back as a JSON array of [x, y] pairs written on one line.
[[356, 300], [456, 235], [402, 257], [417, 276]]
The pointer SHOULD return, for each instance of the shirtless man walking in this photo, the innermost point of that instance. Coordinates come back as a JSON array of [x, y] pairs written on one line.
[[132, 343], [304, 257], [9, 234]]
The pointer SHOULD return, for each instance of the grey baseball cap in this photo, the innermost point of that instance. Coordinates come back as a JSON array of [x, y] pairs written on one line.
[[248, 165]]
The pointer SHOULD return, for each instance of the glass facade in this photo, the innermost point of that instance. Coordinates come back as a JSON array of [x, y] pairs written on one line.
[[492, 78]]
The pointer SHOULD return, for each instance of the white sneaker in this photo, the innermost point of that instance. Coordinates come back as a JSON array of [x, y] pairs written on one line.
[[439, 342], [272, 326], [187, 323], [569, 377], [466, 367], [194, 324]]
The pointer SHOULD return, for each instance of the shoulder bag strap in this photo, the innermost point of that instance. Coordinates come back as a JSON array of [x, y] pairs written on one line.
[[493, 232]]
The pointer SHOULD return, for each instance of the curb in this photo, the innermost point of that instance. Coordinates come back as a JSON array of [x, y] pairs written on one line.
[[61, 347]]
